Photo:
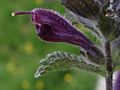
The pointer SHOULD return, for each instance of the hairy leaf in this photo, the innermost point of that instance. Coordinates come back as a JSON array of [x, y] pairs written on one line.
[[65, 61], [115, 46], [87, 8]]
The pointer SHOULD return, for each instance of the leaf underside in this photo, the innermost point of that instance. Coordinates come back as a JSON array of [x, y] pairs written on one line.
[[60, 61]]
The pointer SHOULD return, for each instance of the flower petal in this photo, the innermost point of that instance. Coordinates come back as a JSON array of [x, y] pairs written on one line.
[[52, 27]]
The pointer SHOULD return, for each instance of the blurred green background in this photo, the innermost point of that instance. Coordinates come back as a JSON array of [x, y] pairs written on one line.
[[21, 50]]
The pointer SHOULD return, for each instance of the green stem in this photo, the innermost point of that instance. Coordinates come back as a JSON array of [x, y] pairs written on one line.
[[109, 77]]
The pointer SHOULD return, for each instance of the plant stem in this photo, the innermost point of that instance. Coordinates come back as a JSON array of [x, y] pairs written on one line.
[[109, 77]]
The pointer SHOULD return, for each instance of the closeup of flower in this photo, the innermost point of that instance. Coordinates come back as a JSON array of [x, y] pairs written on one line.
[[102, 17]]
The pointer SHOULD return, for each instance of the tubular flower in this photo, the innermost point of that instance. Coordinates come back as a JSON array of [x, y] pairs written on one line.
[[52, 27]]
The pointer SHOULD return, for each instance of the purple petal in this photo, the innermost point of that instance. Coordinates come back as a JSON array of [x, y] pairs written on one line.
[[116, 5], [47, 33], [52, 27], [117, 82]]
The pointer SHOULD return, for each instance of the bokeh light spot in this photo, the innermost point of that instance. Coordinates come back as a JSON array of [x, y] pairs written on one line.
[[39, 85], [14, 68], [38, 1], [25, 85], [29, 48], [11, 66], [68, 78]]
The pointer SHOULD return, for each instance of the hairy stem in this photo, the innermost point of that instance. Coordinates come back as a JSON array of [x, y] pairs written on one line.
[[109, 77]]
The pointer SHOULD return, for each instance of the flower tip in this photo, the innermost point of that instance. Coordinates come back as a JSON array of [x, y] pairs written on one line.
[[13, 14]]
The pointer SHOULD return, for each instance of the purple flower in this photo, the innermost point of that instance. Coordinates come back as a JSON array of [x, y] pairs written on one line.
[[52, 27], [117, 82]]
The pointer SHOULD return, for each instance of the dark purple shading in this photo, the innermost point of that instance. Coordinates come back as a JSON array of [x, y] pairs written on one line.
[[116, 5], [50, 26], [89, 9], [117, 82]]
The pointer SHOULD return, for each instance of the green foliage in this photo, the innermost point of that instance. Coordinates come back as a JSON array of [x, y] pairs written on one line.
[[63, 61]]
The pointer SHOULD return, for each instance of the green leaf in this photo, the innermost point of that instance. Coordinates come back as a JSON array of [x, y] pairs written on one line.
[[115, 44], [58, 61]]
